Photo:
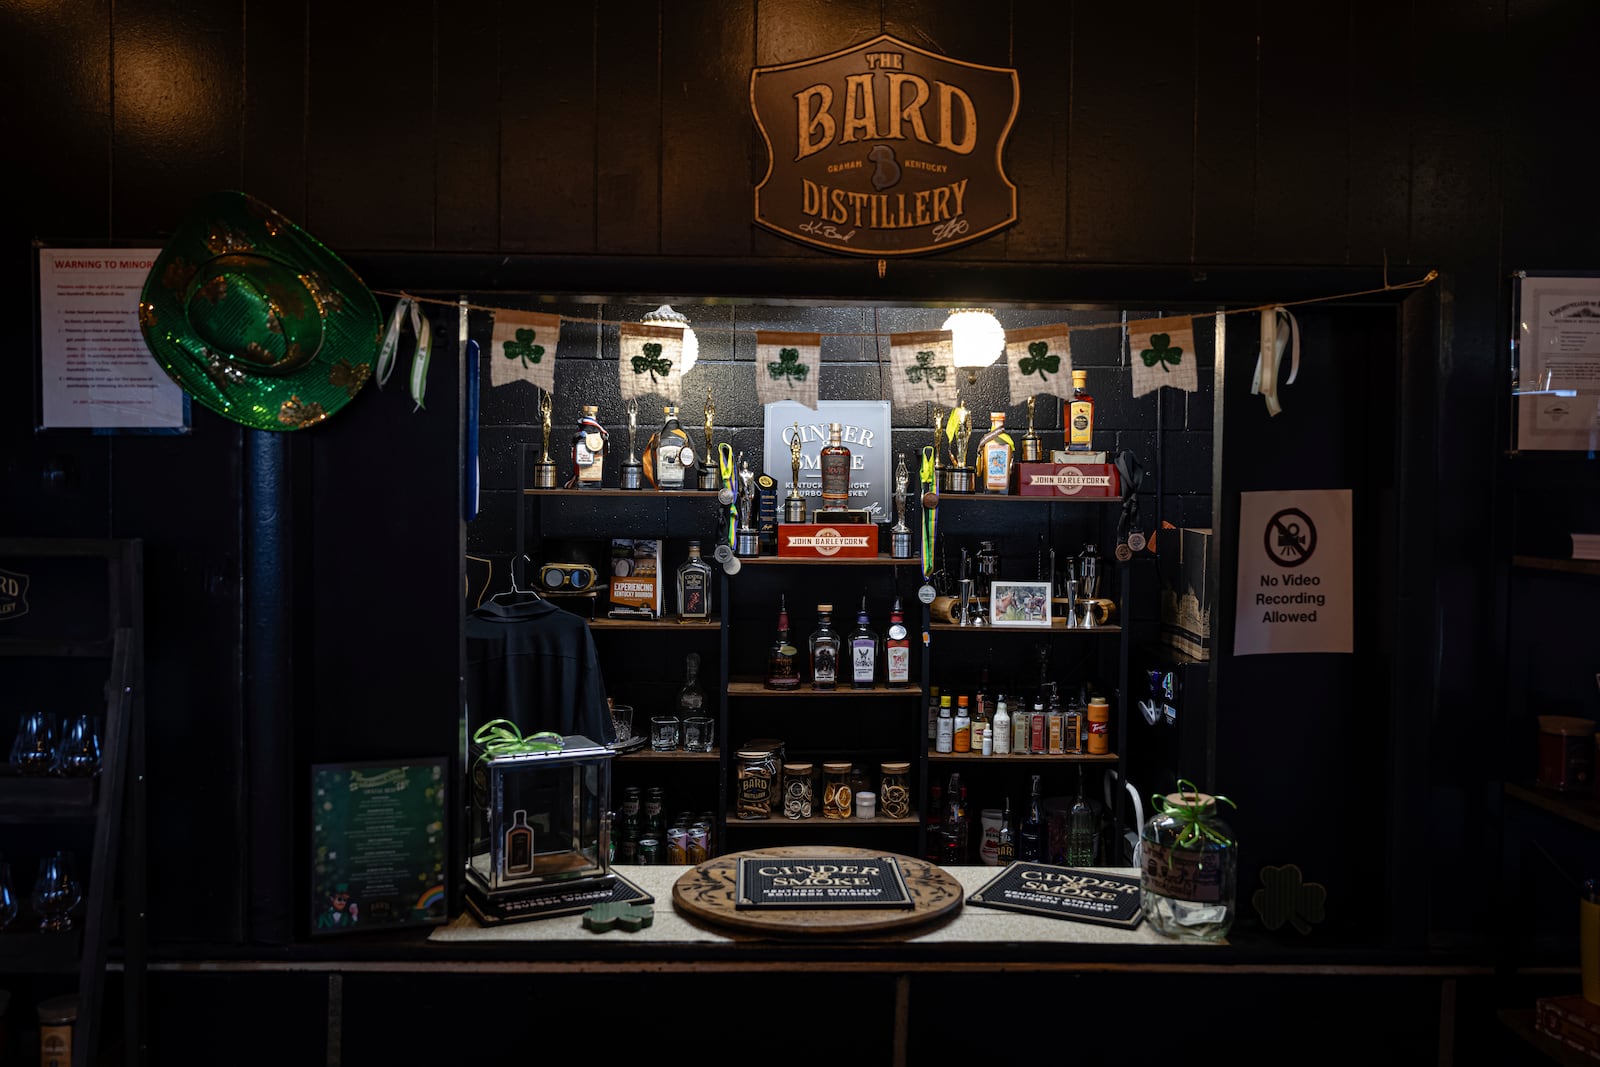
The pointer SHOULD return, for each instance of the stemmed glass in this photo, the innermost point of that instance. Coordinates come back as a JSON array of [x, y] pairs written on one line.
[[34, 750], [8, 902], [56, 892], [79, 753]]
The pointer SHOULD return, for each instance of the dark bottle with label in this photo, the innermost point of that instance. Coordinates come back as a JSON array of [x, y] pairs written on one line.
[[1030, 836], [783, 661], [825, 648], [863, 651], [835, 462]]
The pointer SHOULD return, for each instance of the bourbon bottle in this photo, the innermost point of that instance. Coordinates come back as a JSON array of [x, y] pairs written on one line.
[[1080, 414], [835, 461], [589, 443]]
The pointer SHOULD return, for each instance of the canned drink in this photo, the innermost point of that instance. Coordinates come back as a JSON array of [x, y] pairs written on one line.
[[678, 844], [649, 850], [699, 843]]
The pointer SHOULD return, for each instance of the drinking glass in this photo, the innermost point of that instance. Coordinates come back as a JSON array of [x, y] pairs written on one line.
[[622, 722], [56, 892], [664, 732], [699, 733], [78, 755], [8, 901], [34, 750]]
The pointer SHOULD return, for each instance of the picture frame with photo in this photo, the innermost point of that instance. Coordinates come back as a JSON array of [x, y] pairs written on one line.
[[1020, 604]]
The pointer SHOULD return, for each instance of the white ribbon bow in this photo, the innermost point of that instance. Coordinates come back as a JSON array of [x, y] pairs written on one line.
[[1268, 359]]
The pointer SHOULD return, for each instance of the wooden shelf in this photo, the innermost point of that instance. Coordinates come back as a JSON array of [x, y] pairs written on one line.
[[1057, 626], [910, 822], [1580, 808], [1565, 566], [25, 950], [677, 755], [750, 688], [1068, 757], [636, 494], [880, 560], [671, 622]]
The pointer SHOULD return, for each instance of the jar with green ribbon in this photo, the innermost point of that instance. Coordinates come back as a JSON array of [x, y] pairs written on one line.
[[1190, 868]]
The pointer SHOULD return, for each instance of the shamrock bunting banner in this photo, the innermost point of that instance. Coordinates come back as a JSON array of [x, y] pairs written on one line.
[[1039, 360], [786, 367], [650, 361], [922, 369], [523, 348], [1163, 354]]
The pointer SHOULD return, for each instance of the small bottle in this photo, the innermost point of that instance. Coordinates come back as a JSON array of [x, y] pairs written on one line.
[[824, 648], [835, 462], [897, 650], [1080, 414], [1030, 836], [1080, 829], [996, 451], [1072, 727], [691, 698], [863, 651], [1021, 731], [783, 666], [518, 859], [1098, 718], [694, 586], [1002, 729], [589, 442], [1055, 740], [945, 739], [669, 455], [933, 714], [1006, 847], [984, 730], [1038, 739], [961, 733]]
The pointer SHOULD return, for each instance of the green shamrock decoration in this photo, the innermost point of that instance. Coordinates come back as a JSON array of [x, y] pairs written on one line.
[[925, 371], [1286, 896], [1039, 359], [788, 365], [614, 916], [651, 361], [1160, 352], [523, 348]]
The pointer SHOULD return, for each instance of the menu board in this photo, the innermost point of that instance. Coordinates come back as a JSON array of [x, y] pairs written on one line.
[[378, 845]]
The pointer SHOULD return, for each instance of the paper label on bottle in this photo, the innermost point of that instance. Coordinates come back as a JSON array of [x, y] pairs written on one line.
[[863, 658], [1081, 424], [899, 661], [1182, 874], [997, 469]]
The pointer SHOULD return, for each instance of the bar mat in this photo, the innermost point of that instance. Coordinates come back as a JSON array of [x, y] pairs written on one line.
[[549, 901]]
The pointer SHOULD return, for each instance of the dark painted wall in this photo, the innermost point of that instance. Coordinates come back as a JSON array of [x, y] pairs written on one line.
[[1176, 154]]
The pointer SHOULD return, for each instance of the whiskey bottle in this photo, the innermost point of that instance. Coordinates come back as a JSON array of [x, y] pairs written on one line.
[[1080, 414], [589, 443], [1030, 836], [897, 650], [1006, 848], [824, 648], [518, 856], [694, 586], [783, 666], [997, 453], [961, 734], [944, 739], [863, 651], [668, 455], [835, 461], [691, 698]]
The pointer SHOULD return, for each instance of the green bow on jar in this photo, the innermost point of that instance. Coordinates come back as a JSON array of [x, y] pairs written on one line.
[[501, 737], [1195, 830]]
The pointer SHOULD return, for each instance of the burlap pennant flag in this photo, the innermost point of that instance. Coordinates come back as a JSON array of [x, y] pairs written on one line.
[[523, 348], [649, 361], [1039, 360], [1163, 354], [787, 365], [922, 368]]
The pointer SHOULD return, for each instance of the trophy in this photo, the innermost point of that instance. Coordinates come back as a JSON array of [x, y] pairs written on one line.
[[1031, 451], [632, 469], [707, 472], [900, 533], [544, 472], [958, 477], [794, 505], [747, 538]]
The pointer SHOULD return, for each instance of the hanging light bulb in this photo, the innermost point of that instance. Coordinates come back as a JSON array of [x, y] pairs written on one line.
[[665, 316], [977, 339]]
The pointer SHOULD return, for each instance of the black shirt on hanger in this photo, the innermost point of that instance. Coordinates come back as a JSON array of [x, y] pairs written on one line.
[[535, 664]]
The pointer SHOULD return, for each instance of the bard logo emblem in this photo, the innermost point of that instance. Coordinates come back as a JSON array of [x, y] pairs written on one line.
[[13, 595], [884, 149]]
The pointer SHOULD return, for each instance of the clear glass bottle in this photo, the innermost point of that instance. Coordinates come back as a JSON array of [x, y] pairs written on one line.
[[589, 443], [783, 661], [863, 651], [691, 698], [945, 738], [694, 586], [897, 650], [997, 454], [1190, 867], [835, 462], [1080, 414], [1001, 728], [1080, 829], [1030, 835], [824, 647], [669, 455]]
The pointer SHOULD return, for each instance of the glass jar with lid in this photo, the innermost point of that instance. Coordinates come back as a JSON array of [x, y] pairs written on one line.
[[756, 782], [797, 790], [837, 795], [894, 790], [1190, 866]]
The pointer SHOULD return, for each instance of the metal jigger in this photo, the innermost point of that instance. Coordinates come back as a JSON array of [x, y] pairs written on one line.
[[746, 538], [900, 533], [1072, 604], [544, 471], [964, 598], [632, 469]]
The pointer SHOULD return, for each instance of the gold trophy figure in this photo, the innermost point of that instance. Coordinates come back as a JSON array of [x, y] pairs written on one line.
[[900, 533], [708, 471], [1031, 451], [544, 472], [958, 477], [632, 469], [794, 505]]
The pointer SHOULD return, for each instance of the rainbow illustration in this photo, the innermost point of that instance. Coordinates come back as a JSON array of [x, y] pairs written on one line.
[[430, 897]]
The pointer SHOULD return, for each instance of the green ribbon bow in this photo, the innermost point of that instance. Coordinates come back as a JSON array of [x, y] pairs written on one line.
[[1196, 832], [501, 737]]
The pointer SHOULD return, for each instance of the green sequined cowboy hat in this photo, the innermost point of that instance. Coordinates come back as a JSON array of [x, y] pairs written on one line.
[[256, 319]]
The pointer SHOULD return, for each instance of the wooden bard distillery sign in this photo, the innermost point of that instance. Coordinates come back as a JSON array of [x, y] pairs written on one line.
[[884, 149]]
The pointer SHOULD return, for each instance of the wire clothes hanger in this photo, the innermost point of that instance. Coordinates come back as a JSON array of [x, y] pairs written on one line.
[[515, 595]]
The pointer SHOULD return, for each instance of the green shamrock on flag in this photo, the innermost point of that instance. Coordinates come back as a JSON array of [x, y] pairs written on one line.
[[788, 365], [1039, 359], [523, 348], [651, 361], [925, 371], [1162, 351]]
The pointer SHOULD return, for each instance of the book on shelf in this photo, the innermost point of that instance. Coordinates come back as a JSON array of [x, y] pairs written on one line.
[[636, 578]]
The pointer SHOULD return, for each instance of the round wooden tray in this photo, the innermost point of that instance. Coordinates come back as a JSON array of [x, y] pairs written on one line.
[[708, 892]]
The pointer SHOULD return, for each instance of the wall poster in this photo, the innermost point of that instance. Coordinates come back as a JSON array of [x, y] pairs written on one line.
[[1558, 363]]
